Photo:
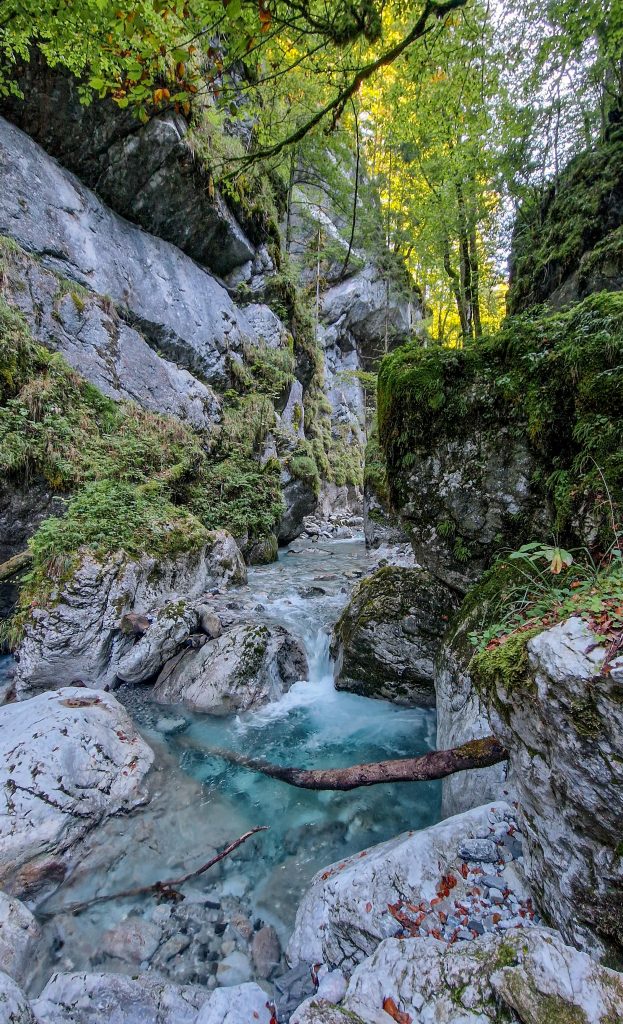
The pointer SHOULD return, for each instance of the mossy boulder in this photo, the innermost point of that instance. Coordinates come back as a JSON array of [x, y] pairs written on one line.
[[386, 640], [514, 438], [262, 551], [556, 703], [244, 668], [569, 244]]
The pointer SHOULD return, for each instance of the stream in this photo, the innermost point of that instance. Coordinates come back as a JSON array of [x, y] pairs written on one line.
[[198, 803]]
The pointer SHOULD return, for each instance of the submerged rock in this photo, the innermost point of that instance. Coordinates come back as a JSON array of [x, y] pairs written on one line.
[[68, 759], [386, 640], [79, 635], [93, 998], [246, 667]]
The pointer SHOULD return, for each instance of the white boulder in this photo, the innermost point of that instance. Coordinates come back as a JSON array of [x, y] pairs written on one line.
[[19, 935], [68, 759]]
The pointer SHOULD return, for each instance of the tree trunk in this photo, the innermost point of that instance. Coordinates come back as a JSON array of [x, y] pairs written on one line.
[[475, 278], [456, 288], [436, 765]]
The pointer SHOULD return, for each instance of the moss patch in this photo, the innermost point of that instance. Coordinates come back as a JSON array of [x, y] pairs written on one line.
[[556, 380]]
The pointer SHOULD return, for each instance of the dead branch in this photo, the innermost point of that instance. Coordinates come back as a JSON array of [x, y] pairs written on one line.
[[436, 765], [166, 889], [13, 565]]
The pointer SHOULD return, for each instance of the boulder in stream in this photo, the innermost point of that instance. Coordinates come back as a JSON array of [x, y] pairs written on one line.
[[81, 636], [386, 639], [68, 759], [80, 998], [244, 668]]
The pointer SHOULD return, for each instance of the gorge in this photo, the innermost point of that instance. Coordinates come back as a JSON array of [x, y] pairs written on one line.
[[311, 581]]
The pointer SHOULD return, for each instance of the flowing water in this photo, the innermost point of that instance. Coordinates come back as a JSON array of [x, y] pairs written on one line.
[[198, 802]]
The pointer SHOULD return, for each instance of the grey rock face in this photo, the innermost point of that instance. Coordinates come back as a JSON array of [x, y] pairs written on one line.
[[69, 758], [79, 636], [565, 737], [386, 640], [19, 935], [359, 305], [148, 173], [92, 998], [293, 416], [245, 668], [474, 486], [93, 339], [179, 307], [300, 500], [461, 716], [380, 526]]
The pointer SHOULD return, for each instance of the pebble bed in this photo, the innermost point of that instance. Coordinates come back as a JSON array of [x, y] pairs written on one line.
[[481, 893]]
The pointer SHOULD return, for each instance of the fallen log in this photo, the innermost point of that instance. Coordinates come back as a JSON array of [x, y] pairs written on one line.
[[15, 564], [437, 764], [166, 888]]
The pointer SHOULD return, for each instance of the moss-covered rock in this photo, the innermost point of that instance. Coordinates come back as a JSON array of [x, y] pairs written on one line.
[[386, 640], [568, 245], [511, 439], [263, 551]]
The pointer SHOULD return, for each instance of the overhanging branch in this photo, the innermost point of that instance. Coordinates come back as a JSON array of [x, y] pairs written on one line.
[[337, 104]]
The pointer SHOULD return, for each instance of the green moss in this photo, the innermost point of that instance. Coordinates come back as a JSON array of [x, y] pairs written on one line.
[[375, 470], [575, 215], [556, 380]]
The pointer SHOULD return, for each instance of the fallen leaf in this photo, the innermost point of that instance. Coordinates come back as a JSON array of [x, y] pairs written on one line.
[[390, 1007]]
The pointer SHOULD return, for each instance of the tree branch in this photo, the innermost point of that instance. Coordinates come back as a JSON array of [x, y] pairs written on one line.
[[13, 565], [337, 104], [167, 889], [436, 765]]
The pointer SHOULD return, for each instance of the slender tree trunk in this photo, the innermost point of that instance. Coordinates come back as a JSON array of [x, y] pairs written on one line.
[[455, 285], [475, 280], [465, 264], [436, 765], [293, 153]]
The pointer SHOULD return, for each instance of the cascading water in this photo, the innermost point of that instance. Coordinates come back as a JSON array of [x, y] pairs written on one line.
[[198, 802]]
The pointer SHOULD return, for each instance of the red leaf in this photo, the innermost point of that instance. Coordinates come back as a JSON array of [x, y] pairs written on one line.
[[390, 1007]]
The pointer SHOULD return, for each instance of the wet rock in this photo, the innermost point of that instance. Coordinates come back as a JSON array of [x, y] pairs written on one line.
[[92, 998], [209, 622], [19, 936], [14, 1006], [386, 640], [236, 1005], [133, 940], [79, 636], [234, 969], [462, 716], [564, 731], [245, 668], [266, 951], [168, 629], [69, 758], [300, 501], [263, 551]]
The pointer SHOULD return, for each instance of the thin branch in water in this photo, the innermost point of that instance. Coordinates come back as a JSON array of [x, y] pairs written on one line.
[[164, 888]]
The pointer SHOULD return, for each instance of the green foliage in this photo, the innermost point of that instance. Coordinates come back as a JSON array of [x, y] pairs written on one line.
[[375, 470], [555, 379]]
